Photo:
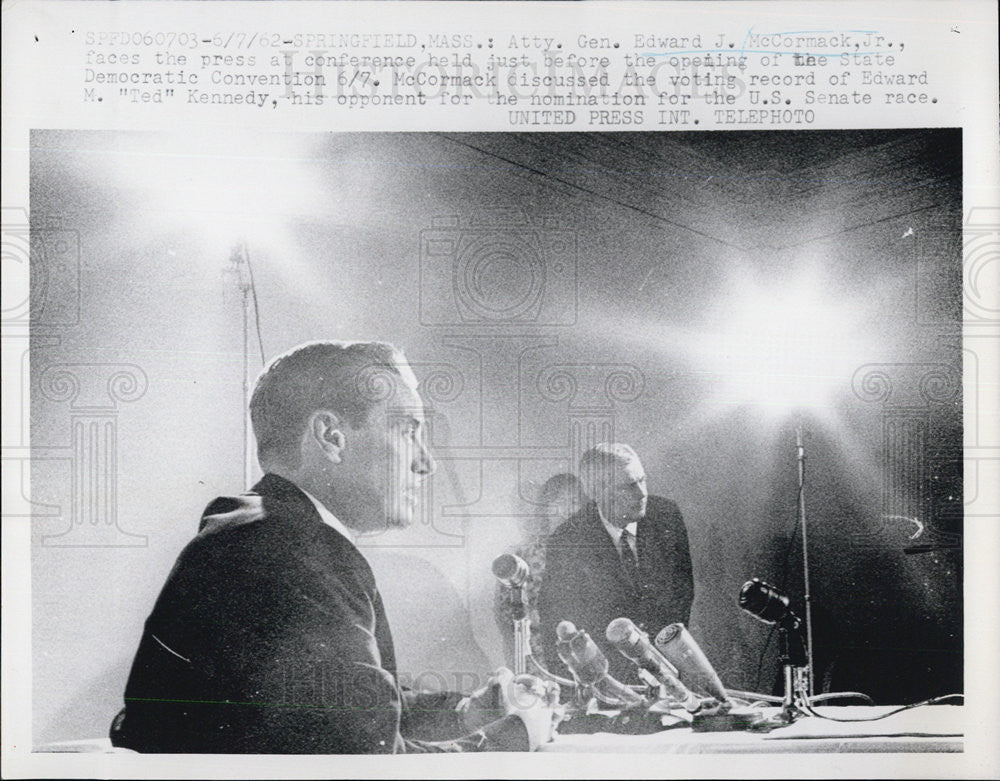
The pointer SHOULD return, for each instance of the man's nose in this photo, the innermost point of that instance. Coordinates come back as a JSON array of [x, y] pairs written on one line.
[[423, 462]]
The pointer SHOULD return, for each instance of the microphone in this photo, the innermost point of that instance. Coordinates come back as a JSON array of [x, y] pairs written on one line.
[[764, 602], [589, 665], [634, 645], [512, 571], [676, 644]]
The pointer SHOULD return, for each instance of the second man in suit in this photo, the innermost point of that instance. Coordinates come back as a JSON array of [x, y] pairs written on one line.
[[270, 636], [625, 554]]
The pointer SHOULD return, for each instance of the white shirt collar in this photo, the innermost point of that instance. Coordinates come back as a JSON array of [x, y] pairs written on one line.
[[616, 532], [328, 517]]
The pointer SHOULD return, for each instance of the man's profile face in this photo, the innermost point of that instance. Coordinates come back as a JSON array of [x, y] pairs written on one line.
[[386, 461], [621, 492]]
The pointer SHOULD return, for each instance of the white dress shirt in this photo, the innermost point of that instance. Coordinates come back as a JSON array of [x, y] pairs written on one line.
[[616, 536]]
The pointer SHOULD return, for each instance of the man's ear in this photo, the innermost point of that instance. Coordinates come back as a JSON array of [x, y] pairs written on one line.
[[326, 432]]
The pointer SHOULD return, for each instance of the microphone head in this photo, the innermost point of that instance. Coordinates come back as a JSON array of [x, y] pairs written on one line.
[[683, 652], [668, 633], [620, 631], [630, 641], [764, 601], [565, 631], [511, 570], [580, 653]]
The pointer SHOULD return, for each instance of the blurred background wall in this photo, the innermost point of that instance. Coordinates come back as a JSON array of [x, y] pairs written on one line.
[[695, 295]]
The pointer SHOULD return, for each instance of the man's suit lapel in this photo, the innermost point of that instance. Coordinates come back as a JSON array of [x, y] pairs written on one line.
[[644, 543], [653, 541], [283, 499], [383, 636]]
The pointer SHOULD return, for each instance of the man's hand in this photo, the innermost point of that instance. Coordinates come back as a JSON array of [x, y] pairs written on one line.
[[536, 703], [532, 700], [485, 704]]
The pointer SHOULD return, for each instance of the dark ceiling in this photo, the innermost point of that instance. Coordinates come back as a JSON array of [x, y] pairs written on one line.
[[747, 190]]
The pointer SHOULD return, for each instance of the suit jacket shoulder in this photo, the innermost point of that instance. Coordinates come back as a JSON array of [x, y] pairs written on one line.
[[660, 507], [580, 527], [269, 636]]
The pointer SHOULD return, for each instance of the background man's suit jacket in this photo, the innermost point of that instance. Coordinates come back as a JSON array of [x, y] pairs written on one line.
[[585, 583], [269, 636]]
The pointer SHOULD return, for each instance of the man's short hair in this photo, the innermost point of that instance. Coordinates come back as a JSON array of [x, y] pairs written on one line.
[[598, 463], [347, 378]]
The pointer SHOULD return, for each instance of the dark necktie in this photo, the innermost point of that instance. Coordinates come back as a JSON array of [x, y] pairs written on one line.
[[629, 563]]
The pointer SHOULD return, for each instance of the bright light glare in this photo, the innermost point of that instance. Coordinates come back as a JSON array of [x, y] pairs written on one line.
[[222, 184], [782, 348]]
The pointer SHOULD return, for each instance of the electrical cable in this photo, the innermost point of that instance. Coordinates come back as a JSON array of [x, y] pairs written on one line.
[[841, 696], [807, 707], [739, 694], [756, 698], [546, 674]]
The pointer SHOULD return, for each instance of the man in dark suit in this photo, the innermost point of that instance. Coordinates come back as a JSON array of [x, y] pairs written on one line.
[[625, 554], [269, 635]]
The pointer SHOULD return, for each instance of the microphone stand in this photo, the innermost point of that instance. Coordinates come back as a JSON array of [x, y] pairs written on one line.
[[515, 585], [524, 660], [793, 659], [794, 662], [237, 271], [801, 458], [522, 630]]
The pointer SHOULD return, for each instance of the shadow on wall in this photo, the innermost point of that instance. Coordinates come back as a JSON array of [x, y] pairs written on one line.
[[89, 714]]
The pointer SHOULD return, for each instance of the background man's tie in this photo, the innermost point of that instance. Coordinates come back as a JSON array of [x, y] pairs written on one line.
[[629, 563]]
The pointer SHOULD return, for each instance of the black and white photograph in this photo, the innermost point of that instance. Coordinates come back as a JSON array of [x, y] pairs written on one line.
[[639, 442], [449, 389]]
